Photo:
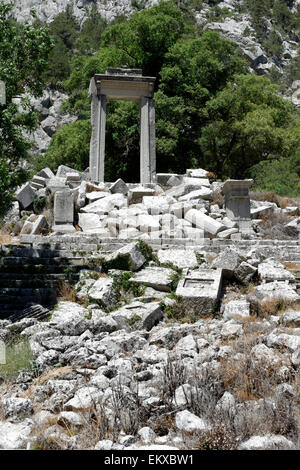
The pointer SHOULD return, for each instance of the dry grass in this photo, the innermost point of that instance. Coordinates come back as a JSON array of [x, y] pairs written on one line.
[[270, 196], [5, 238], [266, 308], [66, 292]]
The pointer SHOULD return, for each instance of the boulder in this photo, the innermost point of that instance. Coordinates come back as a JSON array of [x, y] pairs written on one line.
[[188, 422], [267, 442]]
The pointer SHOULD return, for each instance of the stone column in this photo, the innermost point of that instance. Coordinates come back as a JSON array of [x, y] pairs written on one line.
[[237, 201], [148, 152], [97, 145], [63, 212]]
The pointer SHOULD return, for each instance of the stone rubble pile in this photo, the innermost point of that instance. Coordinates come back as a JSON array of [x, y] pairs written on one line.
[[109, 353], [186, 207]]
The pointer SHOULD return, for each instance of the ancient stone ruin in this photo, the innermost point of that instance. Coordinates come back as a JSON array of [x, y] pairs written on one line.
[[127, 85]]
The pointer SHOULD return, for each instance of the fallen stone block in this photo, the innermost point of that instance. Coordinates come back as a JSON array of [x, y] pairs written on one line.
[[129, 256], [89, 222], [102, 291], [276, 290], [291, 319], [158, 204], [136, 195], [293, 227], [204, 222], [138, 315], [229, 261], [180, 258], [226, 234], [34, 225], [236, 308], [195, 182], [106, 204], [245, 272], [272, 270], [25, 196], [200, 290], [119, 187], [197, 173], [203, 193], [46, 173], [56, 184], [147, 223], [158, 278]]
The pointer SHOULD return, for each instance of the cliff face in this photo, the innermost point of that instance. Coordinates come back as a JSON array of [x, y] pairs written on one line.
[[47, 10], [230, 18]]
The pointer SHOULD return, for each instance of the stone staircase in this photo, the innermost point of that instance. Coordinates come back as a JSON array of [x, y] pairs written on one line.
[[33, 271], [35, 275]]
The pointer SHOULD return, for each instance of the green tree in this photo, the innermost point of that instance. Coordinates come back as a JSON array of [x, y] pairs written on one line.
[[192, 74], [91, 32], [247, 123], [64, 30], [23, 59]]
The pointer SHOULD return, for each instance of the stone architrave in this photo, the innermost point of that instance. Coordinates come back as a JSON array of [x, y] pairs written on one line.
[[237, 200], [63, 212], [126, 85], [200, 290]]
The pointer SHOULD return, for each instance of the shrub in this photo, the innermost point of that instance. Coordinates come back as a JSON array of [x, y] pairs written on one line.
[[18, 357]]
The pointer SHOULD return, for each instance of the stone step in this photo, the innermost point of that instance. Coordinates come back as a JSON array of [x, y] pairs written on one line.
[[33, 283], [55, 277]]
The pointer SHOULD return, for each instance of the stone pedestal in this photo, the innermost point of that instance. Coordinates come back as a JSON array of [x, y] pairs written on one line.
[[237, 201], [63, 212], [126, 85]]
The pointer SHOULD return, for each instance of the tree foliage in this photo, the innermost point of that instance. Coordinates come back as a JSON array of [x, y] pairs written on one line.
[[23, 59], [210, 111]]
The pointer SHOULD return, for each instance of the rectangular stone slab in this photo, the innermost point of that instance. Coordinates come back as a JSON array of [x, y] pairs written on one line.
[[158, 278], [200, 290]]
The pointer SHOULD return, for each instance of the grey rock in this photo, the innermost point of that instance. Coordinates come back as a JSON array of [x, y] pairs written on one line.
[[186, 421], [267, 442]]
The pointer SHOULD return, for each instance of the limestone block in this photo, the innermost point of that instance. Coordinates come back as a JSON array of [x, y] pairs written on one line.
[[106, 204], [204, 222], [130, 253], [136, 195], [25, 196], [197, 173], [46, 173], [237, 200], [234, 308], [276, 290], [102, 290], [196, 182], [272, 270], [89, 222], [119, 187], [63, 207], [203, 193], [147, 223], [158, 204], [200, 290], [226, 234], [229, 261], [180, 258], [138, 315], [158, 278], [56, 184]]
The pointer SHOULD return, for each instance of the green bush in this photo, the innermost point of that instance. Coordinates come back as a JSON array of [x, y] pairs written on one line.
[[281, 176]]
